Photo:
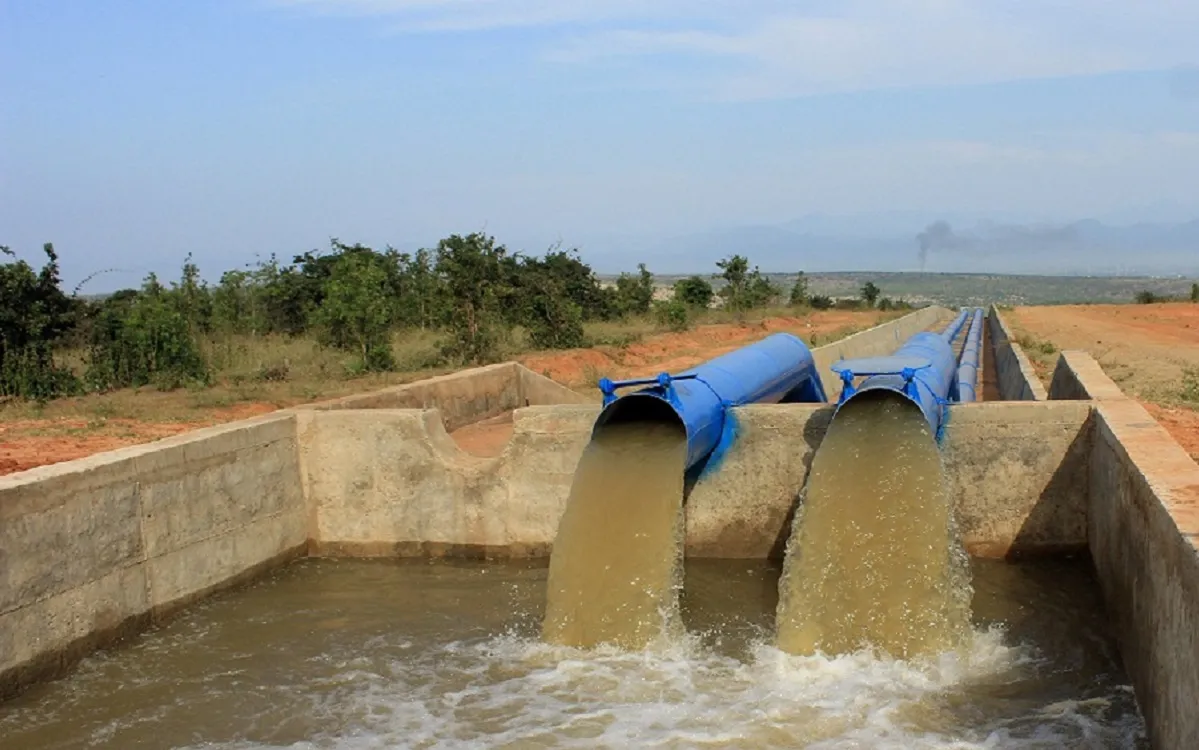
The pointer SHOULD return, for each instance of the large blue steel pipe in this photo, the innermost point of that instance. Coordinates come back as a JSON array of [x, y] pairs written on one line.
[[953, 329], [779, 368], [921, 371], [968, 365]]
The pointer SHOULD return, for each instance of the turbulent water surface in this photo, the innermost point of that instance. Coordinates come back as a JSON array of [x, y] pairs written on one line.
[[385, 654]]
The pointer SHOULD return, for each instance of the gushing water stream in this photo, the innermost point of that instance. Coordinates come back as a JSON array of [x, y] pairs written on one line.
[[873, 559], [616, 568]]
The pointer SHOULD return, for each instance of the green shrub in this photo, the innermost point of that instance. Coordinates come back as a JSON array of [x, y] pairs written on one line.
[[672, 314], [35, 316], [143, 338]]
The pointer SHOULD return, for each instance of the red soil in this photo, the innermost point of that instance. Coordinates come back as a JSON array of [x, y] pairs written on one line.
[[677, 351], [29, 443]]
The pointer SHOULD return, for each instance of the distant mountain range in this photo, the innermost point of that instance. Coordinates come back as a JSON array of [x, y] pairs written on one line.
[[1087, 247]]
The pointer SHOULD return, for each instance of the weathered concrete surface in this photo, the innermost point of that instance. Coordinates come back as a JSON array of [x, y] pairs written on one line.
[[1143, 535], [1017, 379], [393, 483], [464, 397], [95, 548], [880, 340], [1018, 473], [1077, 376]]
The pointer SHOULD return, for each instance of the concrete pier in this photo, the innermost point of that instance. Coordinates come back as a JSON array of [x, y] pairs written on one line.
[[94, 549]]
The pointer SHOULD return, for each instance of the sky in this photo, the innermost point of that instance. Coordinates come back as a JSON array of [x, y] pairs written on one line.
[[134, 133]]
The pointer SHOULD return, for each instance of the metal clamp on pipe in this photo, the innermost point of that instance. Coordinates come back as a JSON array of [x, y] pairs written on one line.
[[921, 372], [663, 381]]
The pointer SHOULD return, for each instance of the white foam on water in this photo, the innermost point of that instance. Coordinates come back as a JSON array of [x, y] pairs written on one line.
[[512, 692]]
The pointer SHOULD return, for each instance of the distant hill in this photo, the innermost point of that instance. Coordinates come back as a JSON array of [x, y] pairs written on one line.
[[1086, 247]]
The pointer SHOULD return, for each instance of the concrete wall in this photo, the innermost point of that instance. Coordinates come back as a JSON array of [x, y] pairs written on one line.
[[464, 397], [96, 548], [1017, 379], [1143, 535], [880, 340], [392, 483], [1077, 376]]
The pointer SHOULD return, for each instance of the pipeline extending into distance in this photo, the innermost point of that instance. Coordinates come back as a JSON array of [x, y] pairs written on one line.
[[969, 363], [922, 371]]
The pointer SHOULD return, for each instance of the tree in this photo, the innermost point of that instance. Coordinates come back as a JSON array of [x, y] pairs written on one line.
[[820, 302], [870, 293], [694, 292], [356, 310], [761, 291], [578, 282], [734, 270], [143, 337], [1146, 297], [192, 298], [473, 270], [1194, 292], [799, 290], [744, 289], [35, 315], [634, 294], [555, 321]]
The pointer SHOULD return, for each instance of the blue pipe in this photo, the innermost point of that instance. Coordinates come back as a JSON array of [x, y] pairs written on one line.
[[921, 371], [953, 329], [779, 368], [968, 366]]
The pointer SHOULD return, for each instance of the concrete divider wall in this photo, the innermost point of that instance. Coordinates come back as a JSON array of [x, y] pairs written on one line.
[[1143, 536], [464, 397], [1077, 376], [1017, 379], [391, 483], [878, 341], [99, 547]]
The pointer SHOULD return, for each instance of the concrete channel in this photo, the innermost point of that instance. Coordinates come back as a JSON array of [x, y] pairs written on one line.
[[99, 548]]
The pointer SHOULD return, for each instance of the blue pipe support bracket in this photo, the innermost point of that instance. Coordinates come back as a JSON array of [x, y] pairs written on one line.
[[778, 369], [953, 329], [921, 371], [971, 356]]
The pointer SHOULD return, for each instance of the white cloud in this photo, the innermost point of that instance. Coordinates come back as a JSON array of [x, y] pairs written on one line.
[[770, 48]]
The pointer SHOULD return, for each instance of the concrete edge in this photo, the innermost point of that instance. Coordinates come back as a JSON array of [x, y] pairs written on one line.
[[105, 459], [349, 402], [1010, 357], [1079, 376]]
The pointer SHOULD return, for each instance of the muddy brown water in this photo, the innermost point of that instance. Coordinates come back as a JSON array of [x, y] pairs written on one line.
[[616, 568], [389, 654], [873, 560]]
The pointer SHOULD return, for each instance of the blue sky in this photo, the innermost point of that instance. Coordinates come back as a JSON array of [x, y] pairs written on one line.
[[132, 133]]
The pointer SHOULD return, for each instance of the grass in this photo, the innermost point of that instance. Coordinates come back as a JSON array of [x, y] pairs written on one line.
[[1041, 353], [1188, 393]]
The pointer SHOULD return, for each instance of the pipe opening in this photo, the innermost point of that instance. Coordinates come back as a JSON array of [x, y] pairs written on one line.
[[880, 393], [638, 407]]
